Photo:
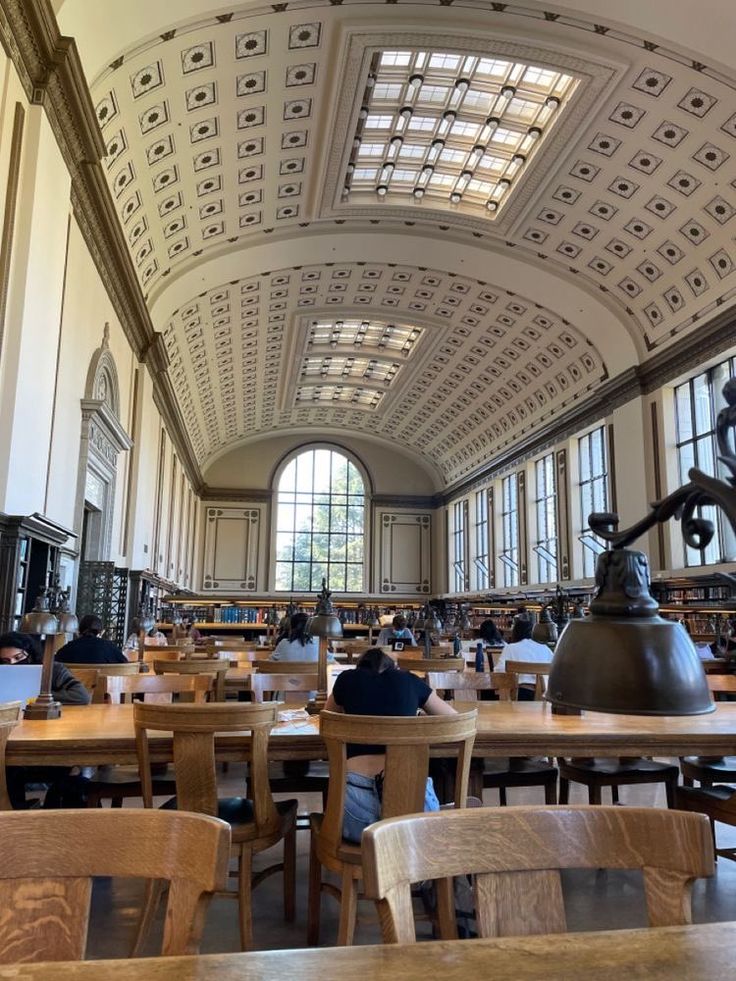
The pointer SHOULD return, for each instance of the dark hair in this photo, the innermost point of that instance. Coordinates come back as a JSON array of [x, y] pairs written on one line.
[[399, 621], [490, 632], [521, 629], [90, 625], [375, 660], [24, 642], [298, 628]]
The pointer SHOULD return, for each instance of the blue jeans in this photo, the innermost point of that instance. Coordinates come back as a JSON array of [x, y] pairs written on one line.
[[363, 804]]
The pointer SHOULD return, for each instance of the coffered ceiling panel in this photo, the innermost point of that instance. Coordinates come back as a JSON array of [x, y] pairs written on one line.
[[605, 156]]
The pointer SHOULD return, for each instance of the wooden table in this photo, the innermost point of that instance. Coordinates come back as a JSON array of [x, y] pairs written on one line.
[[96, 734], [695, 953]]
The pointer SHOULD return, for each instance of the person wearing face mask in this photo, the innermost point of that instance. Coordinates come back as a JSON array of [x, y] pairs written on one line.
[[17, 648]]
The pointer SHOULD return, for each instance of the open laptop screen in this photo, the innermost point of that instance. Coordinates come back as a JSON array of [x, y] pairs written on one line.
[[19, 682]]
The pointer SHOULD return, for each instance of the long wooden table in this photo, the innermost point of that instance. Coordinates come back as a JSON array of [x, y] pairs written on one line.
[[695, 953], [98, 734]]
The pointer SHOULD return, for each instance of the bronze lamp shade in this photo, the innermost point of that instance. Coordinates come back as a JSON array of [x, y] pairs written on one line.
[[624, 657]]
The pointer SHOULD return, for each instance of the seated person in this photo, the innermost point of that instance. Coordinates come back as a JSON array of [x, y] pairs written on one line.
[[397, 631], [490, 634], [154, 638], [185, 631], [523, 648], [299, 645], [89, 647], [65, 790], [377, 687]]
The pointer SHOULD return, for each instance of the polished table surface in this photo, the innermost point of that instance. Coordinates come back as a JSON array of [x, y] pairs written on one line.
[[96, 734], [695, 953]]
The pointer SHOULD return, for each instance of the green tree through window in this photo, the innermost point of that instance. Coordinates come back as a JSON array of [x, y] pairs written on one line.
[[320, 520]]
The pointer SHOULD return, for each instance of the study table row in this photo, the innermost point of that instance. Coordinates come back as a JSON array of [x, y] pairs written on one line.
[[696, 953], [103, 734]]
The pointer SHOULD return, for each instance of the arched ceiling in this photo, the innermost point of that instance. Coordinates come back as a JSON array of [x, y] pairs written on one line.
[[233, 134]]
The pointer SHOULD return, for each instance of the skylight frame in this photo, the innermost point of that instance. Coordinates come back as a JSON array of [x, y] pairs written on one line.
[[508, 83], [352, 335]]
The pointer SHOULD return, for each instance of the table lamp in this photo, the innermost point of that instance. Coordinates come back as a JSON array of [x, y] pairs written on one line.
[[146, 622], [624, 657], [324, 625], [50, 619]]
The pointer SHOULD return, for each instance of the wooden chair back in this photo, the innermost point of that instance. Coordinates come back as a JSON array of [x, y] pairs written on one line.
[[426, 664], [407, 741], [90, 675], [46, 880], [157, 688], [237, 641], [9, 716], [516, 854], [225, 653], [721, 684], [464, 685], [212, 667], [285, 667], [540, 672], [194, 728], [292, 688], [151, 654]]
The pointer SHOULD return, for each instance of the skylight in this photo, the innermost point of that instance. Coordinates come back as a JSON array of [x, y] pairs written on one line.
[[454, 130]]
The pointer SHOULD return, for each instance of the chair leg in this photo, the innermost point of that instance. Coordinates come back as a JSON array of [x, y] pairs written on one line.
[[550, 792], [290, 875], [502, 796], [670, 789], [245, 905], [614, 794], [348, 908], [154, 890], [564, 796], [594, 793], [315, 896]]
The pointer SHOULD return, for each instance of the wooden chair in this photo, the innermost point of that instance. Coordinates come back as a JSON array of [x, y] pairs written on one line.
[[157, 688], [427, 664], [152, 654], [407, 742], [540, 672], [286, 685], [213, 667], [717, 803], [48, 860], [285, 667], [709, 770], [90, 675], [498, 773], [516, 855], [256, 824], [9, 716]]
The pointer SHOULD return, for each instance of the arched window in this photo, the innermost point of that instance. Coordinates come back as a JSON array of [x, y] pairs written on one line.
[[320, 523]]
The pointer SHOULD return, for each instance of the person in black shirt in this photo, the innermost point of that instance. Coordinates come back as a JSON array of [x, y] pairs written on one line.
[[377, 687], [89, 647]]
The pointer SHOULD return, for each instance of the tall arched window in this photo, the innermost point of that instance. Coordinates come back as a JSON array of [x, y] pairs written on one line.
[[320, 523]]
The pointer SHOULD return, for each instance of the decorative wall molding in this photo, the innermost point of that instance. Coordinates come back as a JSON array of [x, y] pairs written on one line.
[[231, 549], [50, 71], [404, 542]]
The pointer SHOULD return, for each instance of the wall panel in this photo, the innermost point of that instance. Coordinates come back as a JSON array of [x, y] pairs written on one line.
[[404, 551]]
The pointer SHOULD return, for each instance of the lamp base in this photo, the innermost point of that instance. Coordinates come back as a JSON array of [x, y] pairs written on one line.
[[565, 710], [314, 706], [46, 709]]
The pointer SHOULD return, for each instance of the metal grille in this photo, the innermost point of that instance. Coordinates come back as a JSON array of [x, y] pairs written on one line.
[[103, 591]]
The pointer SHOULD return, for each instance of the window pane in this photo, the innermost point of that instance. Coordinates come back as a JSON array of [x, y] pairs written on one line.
[[311, 534], [701, 402]]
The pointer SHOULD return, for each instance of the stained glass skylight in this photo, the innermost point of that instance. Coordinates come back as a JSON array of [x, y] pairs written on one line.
[[451, 130]]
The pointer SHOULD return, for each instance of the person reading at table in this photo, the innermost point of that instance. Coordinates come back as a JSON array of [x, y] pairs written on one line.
[[299, 645], [90, 647], [523, 648], [377, 687], [64, 789], [397, 631]]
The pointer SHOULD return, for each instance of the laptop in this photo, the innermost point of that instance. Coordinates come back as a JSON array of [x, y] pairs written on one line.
[[19, 682]]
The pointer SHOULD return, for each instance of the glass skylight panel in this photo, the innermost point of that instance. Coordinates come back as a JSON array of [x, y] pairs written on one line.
[[358, 396], [365, 335], [354, 368], [451, 114]]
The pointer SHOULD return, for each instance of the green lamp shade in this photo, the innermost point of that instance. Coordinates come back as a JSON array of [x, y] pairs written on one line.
[[624, 657]]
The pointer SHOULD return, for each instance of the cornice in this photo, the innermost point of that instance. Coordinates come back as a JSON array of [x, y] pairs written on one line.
[[50, 71], [251, 496]]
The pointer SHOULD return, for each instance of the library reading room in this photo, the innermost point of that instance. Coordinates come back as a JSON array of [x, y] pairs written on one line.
[[367, 490]]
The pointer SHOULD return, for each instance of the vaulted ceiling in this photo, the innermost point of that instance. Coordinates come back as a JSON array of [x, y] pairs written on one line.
[[437, 225]]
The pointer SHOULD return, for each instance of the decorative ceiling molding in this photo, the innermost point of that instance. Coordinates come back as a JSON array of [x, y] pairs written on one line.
[[50, 71]]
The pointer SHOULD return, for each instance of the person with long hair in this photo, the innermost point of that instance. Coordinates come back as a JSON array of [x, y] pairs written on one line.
[[298, 645], [377, 687]]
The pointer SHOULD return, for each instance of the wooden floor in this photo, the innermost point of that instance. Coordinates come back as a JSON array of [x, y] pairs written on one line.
[[594, 900]]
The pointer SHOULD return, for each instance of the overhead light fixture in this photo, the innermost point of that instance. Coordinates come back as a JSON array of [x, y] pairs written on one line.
[[415, 81], [624, 657], [455, 198]]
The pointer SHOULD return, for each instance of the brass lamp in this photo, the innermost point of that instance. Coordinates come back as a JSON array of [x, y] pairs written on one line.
[[624, 657], [324, 625], [146, 622], [51, 619]]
